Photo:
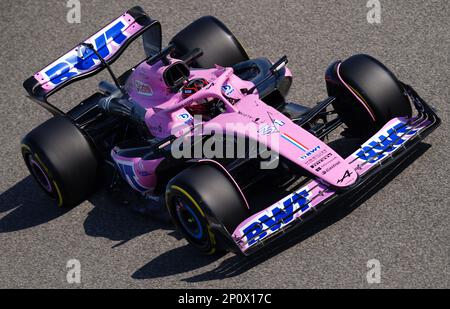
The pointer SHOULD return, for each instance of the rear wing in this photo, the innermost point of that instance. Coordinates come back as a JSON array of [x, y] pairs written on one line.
[[81, 62]]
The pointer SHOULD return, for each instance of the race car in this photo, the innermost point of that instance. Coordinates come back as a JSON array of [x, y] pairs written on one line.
[[203, 92]]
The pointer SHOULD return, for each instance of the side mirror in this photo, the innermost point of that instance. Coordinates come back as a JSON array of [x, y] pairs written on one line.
[[274, 69], [279, 65]]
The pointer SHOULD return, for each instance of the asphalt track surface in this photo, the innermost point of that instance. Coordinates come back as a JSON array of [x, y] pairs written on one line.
[[404, 224]]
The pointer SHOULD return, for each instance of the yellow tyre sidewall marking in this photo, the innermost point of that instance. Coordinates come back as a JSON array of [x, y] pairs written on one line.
[[25, 147], [58, 190], [60, 198], [194, 202]]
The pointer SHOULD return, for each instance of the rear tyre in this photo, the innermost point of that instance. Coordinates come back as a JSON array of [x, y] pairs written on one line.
[[218, 43], [61, 160], [201, 200], [368, 94]]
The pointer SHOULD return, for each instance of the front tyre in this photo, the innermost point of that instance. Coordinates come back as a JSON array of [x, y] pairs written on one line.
[[368, 94], [201, 201]]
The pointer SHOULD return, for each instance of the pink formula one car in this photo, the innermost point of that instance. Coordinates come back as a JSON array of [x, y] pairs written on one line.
[[157, 125]]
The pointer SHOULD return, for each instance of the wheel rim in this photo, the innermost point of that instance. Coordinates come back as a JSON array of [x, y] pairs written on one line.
[[39, 174], [189, 219]]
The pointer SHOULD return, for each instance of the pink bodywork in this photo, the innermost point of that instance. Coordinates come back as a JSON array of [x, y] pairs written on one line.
[[167, 115]]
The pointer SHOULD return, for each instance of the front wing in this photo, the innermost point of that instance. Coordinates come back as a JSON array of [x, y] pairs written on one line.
[[384, 149]]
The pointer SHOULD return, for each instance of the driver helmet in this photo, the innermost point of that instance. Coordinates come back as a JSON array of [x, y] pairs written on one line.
[[192, 87]]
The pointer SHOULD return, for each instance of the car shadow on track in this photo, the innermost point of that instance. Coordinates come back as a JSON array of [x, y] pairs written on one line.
[[26, 206], [112, 218], [169, 263], [177, 261]]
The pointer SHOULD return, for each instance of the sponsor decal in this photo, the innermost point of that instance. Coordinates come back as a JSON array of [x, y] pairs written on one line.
[[384, 144], [186, 118], [227, 90], [310, 153], [143, 88], [276, 217], [83, 59], [317, 156], [316, 164], [347, 174], [271, 129], [329, 169]]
